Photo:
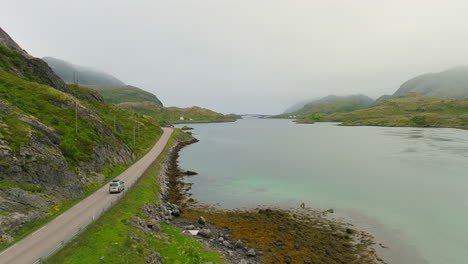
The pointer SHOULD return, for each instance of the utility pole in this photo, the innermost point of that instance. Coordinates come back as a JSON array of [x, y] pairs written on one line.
[[134, 135], [76, 117], [134, 127]]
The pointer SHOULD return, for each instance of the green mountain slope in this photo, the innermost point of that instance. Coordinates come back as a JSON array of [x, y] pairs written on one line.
[[331, 104], [18, 62], [112, 89], [452, 83], [122, 94], [173, 114], [57, 142], [85, 76], [409, 110]]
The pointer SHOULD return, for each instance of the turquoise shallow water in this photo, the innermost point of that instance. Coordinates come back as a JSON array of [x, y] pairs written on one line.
[[408, 186]]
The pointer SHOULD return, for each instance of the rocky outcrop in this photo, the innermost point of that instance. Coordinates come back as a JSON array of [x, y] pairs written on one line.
[[33, 66], [8, 42], [39, 162], [40, 68]]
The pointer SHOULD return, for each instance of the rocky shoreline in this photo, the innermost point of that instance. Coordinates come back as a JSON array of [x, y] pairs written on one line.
[[261, 235]]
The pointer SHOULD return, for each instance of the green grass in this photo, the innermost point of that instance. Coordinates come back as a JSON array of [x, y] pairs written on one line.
[[409, 110], [14, 131], [323, 108], [172, 114], [12, 61], [108, 237], [121, 94], [56, 110], [26, 187]]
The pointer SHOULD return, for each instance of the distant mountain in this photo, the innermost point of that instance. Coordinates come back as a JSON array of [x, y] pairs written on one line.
[[85, 76], [297, 106], [331, 104], [382, 98], [172, 114], [356, 98], [112, 89], [452, 83], [126, 94], [408, 110]]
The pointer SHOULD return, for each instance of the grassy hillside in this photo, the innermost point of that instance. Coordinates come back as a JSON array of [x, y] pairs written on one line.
[[50, 160], [11, 61], [452, 83], [122, 94], [112, 89], [330, 104], [56, 110], [173, 114], [323, 108], [85, 76], [409, 110]]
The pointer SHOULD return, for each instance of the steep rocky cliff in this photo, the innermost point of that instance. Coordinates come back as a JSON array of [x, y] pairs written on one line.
[[56, 141]]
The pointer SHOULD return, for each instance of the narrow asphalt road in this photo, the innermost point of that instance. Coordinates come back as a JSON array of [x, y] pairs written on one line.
[[39, 243]]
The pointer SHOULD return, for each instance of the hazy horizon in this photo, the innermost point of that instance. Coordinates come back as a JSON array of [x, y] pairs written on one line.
[[247, 57]]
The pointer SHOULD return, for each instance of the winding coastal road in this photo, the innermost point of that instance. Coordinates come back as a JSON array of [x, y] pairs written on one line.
[[39, 243]]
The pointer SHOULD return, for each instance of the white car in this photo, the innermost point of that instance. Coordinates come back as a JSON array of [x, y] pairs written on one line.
[[116, 186]]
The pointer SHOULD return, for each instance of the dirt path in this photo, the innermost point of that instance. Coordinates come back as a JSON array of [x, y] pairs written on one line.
[[39, 243]]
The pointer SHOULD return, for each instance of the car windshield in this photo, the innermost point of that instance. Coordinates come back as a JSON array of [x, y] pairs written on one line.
[[114, 184]]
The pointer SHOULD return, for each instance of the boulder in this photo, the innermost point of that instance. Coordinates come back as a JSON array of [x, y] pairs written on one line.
[[201, 220], [151, 222], [227, 244], [205, 232], [251, 253], [176, 212], [238, 244]]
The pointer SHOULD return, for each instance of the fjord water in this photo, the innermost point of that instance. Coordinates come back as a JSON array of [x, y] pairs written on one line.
[[407, 186]]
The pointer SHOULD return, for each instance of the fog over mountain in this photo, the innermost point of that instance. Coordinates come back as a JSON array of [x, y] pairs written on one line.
[[252, 56], [71, 73]]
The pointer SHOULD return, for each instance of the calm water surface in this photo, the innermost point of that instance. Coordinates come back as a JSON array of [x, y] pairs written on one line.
[[407, 186]]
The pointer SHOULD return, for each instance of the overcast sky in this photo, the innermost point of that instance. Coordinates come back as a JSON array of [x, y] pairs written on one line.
[[247, 56]]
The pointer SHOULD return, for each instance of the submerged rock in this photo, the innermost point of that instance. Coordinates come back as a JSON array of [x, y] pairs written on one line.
[[190, 173]]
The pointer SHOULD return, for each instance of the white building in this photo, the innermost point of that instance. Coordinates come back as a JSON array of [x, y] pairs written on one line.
[[182, 118]]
